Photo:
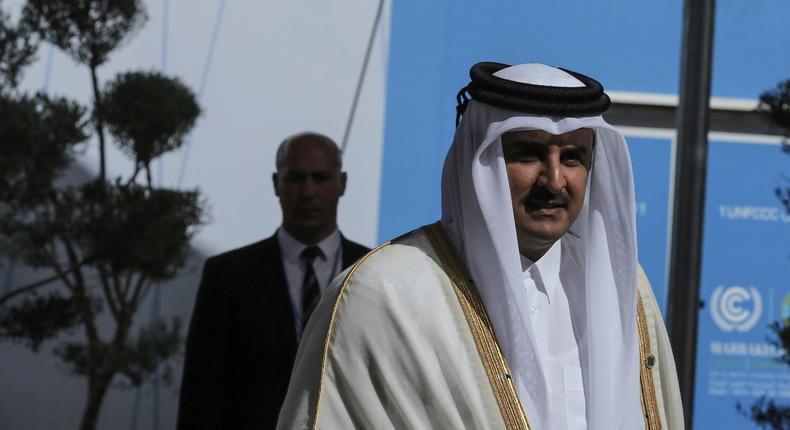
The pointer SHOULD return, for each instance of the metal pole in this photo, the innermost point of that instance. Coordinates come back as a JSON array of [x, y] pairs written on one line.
[[689, 192], [362, 74]]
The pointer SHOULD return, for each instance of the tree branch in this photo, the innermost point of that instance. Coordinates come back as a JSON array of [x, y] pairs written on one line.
[[60, 274], [32, 286], [126, 285], [148, 175], [111, 300], [86, 309], [118, 289], [74, 258], [134, 174], [137, 292], [53, 262]]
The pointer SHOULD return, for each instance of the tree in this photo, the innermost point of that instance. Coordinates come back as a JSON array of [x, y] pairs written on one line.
[[766, 413], [87, 30], [102, 244], [775, 104]]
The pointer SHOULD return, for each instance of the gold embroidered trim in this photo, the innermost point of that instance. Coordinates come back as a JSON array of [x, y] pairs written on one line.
[[485, 339], [328, 340], [646, 363], [482, 331]]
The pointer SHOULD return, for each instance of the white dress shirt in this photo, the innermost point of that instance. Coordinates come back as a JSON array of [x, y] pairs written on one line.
[[556, 343], [326, 267]]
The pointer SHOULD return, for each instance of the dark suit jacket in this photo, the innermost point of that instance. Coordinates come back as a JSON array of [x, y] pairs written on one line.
[[242, 342]]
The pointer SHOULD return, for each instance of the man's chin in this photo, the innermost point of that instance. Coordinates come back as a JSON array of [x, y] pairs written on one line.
[[548, 231], [310, 225]]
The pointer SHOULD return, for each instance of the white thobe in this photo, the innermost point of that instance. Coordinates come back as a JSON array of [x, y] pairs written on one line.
[[555, 340]]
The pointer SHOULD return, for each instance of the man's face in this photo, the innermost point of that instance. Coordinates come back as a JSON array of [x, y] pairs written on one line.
[[309, 183], [547, 174]]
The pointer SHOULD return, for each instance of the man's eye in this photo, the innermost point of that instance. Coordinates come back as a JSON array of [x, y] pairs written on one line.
[[523, 157], [572, 157], [294, 178]]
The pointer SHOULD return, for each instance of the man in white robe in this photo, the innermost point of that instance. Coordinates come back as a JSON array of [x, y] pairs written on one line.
[[524, 308]]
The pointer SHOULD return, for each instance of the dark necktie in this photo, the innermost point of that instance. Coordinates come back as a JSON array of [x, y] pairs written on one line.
[[310, 292]]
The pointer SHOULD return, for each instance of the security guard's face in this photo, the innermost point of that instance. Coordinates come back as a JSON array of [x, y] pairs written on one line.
[[309, 184], [547, 174]]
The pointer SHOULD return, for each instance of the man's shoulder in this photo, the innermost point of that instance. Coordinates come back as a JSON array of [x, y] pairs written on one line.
[[396, 283], [354, 249], [241, 255], [402, 258]]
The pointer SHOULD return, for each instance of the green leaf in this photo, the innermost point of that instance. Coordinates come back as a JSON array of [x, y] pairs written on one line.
[[148, 113], [87, 30]]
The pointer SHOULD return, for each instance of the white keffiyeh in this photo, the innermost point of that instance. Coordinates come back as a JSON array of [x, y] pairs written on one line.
[[599, 258]]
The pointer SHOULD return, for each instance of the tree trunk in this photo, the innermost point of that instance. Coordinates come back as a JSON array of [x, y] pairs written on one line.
[[99, 122], [97, 388], [148, 175]]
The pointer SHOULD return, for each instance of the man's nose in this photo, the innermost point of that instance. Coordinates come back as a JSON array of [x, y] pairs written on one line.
[[308, 187], [551, 176]]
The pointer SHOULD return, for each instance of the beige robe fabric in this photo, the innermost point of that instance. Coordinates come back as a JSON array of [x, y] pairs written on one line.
[[389, 347], [665, 377]]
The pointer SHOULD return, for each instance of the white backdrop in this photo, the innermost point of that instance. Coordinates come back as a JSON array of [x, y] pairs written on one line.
[[276, 68]]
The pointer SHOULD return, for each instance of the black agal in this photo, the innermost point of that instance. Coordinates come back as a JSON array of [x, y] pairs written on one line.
[[589, 100]]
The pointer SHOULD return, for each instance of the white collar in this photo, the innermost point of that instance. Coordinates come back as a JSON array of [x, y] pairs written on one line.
[[292, 249], [546, 270]]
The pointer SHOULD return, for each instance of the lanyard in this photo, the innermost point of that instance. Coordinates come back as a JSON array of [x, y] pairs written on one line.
[[336, 262]]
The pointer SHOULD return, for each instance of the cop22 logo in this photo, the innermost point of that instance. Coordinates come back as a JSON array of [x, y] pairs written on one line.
[[729, 310]]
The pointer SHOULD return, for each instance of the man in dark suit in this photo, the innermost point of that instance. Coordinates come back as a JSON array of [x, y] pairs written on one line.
[[253, 301]]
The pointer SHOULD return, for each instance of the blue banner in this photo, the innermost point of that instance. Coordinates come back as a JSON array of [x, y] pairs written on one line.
[[630, 47], [650, 157], [745, 283]]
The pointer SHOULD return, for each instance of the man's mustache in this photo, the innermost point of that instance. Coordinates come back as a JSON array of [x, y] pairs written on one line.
[[545, 198]]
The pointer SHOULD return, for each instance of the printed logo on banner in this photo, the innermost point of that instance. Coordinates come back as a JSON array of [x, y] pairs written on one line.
[[729, 307]]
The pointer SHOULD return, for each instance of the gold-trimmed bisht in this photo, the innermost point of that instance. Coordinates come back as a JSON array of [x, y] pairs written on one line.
[[493, 359], [483, 332]]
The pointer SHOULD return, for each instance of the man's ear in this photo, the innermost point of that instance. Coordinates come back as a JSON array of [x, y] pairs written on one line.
[[343, 178], [275, 182]]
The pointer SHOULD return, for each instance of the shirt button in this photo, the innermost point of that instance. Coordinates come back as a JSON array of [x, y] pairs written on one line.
[[533, 311]]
